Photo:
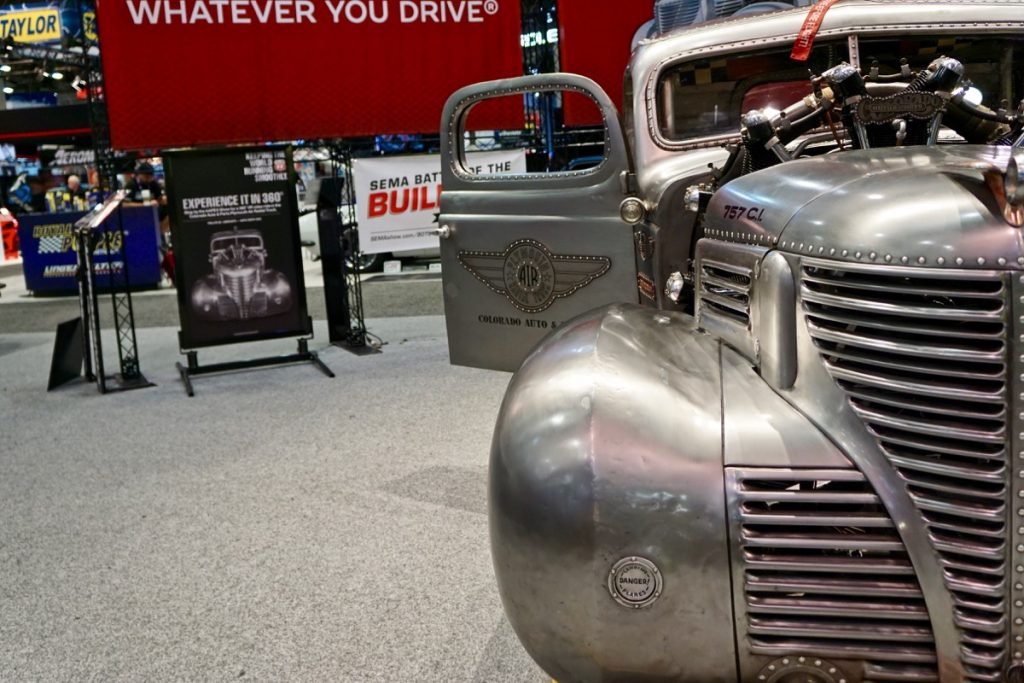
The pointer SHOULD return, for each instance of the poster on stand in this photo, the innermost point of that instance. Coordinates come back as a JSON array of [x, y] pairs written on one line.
[[235, 231], [397, 197]]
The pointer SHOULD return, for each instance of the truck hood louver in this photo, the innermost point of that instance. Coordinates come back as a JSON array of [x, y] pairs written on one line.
[[916, 206]]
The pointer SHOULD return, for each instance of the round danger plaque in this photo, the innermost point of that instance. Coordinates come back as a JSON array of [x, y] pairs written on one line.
[[635, 582]]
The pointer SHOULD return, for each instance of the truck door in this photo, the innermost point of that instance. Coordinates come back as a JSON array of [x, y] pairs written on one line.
[[524, 252]]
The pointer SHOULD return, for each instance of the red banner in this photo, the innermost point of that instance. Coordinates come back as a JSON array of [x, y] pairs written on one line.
[[190, 72], [596, 37]]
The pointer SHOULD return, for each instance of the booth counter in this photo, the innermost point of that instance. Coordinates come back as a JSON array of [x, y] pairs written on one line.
[[49, 259]]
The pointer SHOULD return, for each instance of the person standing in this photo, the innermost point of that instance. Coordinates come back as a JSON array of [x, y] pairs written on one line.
[[143, 189]]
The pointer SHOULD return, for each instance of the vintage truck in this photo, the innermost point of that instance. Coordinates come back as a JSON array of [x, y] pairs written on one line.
[[774, 427]]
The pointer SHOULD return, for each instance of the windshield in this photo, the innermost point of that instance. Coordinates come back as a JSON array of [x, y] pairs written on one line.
[[706, 97], [993, 65]]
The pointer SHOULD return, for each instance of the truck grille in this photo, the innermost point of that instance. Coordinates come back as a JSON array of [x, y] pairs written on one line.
[[240, 284], [922, 358], [825, 574], [725, 280], [725, 291]]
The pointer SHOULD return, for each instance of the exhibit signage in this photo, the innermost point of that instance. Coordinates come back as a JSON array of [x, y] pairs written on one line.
[[397, 197], [31, 24], [597, 48], [50, 260], [266, 70], [235, 230]]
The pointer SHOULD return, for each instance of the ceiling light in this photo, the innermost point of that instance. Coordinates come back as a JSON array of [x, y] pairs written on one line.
[[8, 90], [57, 76], [5, 68]]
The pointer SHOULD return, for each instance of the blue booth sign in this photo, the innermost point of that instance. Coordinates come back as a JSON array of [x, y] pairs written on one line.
[[49, 258]]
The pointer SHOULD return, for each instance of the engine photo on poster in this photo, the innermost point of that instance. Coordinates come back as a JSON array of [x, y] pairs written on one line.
[[234, 226]]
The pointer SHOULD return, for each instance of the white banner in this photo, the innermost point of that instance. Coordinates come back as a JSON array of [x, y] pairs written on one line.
[[397, 197]]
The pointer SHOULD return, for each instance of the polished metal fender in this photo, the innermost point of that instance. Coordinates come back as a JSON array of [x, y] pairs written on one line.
[[608, 448]]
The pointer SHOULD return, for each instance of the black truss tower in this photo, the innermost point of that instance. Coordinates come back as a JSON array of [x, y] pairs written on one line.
[[130, 375]]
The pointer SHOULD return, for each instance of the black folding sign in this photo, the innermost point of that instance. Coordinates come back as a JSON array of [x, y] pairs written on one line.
[[235, 233]]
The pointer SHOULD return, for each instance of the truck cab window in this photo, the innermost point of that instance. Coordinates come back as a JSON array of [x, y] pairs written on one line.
[[559, 131], [707, 97]]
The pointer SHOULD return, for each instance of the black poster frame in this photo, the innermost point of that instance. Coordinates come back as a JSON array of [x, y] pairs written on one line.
[[187, 338]]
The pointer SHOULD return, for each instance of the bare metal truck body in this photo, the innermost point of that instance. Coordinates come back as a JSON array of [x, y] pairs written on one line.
[[799, 456]]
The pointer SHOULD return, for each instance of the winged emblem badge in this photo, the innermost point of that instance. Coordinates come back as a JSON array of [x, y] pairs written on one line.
[[530, 276]]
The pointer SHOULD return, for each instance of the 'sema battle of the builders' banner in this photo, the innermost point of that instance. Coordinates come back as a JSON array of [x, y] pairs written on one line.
[[238, 263]]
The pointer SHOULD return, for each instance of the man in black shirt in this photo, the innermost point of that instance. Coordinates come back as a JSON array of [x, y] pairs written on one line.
[[144, 189]]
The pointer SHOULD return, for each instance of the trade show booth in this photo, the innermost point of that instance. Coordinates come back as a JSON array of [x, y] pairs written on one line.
[[49, 258]]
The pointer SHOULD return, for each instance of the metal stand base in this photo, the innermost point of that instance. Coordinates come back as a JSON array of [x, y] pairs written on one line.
[[193, 369], [116, 383], [363, 349]]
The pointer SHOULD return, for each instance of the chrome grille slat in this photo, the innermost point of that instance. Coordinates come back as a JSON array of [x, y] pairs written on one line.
[[851, 650], [844, 631], [712, 265], [934, 446], [902, 365], [995, 590], [918, 350], [809, 520], [877, 308], [740, 307], [922, 357], [882, 673], [952, 486], [789, 497], [838, 608], [724, 283], [950, 562], [825, 574], [994, 411], [897, 326], [948, 469], [932, 427], [825, 543], [939, 522], [873, 588], [829, 565], [968, 512], [880, 285], [926, 387]]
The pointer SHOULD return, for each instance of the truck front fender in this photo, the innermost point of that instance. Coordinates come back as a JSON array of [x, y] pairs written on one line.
[[609, 447]]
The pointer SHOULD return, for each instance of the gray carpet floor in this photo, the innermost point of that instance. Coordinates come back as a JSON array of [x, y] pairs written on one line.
[[278, 526]]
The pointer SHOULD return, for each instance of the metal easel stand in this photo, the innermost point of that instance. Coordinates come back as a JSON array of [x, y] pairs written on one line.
[[339, 237], [194, 369], [87, 345]]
